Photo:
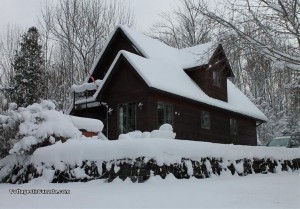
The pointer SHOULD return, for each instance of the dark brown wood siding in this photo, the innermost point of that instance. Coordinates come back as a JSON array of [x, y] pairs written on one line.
[[187, 121]]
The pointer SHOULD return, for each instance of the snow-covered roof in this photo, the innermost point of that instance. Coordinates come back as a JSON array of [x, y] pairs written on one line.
[[151, 48], [154, 49], [162, 68]]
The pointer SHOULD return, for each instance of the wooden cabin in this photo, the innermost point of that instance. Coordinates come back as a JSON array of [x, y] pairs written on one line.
[[143, 83]]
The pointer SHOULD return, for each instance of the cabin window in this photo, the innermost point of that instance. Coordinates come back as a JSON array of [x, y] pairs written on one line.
[[127, 117], [233, 127], [217, 78], [205, 120], [164, 113]]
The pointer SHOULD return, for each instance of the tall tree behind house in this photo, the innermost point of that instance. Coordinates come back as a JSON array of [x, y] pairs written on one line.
[[28, 64]]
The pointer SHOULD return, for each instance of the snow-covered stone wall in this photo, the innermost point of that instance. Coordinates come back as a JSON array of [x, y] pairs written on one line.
[[141, 158]]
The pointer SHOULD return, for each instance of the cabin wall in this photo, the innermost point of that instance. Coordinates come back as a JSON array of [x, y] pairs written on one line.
[[125, 86], [187, 121]]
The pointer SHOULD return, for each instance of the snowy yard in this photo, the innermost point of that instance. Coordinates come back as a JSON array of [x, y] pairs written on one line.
[[253, 191]]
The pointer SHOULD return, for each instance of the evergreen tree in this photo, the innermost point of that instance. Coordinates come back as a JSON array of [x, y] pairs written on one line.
[[28, 65]]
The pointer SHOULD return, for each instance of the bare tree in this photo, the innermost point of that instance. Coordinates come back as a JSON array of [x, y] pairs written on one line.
[[82, 28], [75, 33], [274, 26], [9, 41], [185, 26]]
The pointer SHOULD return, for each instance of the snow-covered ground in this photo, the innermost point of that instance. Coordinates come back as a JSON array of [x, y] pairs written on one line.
[[253, 191]]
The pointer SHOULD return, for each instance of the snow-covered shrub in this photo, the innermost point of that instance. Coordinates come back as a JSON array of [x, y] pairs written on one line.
[[41, 125], [15, 168], [9, 126], [36, 126], [164, 131]]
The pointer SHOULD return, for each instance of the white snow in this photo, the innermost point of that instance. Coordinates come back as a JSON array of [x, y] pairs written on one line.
[[162, 68], [165, 131], [74, 151], [79, 173], [87, 124], [87, 86], [196, 55], [3, 119], [7, 163], [253, 191], [39, 123], [166, 127]]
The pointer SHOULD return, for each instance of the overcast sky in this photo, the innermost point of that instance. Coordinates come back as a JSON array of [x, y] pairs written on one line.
[[25, 13]]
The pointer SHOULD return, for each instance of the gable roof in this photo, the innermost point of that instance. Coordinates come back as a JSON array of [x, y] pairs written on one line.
[[149, 48], [162, 69]]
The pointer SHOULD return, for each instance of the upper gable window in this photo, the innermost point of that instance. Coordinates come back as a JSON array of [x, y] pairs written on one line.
[[217, 78]]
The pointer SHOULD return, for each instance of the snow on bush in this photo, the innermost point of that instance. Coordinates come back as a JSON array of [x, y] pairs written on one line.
[[41, 124], [10, 162], [9, 126], [40, 121], [165, 131]]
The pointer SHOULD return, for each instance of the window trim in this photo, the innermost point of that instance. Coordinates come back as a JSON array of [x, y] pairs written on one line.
[[209, 122]]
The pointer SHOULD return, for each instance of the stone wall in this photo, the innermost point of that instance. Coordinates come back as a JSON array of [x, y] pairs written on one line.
[[141, 169]]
